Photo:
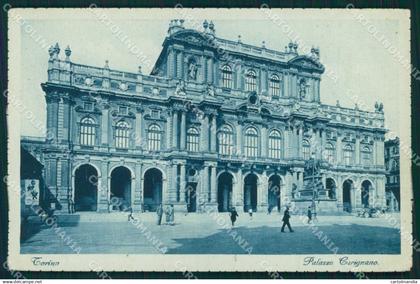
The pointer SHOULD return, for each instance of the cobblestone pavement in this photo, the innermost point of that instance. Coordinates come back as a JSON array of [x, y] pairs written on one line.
[[204, 234]]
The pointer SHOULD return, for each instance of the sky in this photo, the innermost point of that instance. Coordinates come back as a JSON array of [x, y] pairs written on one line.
[[358, 63]]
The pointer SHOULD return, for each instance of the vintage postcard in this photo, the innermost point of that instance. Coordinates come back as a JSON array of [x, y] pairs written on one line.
[[210, 140]]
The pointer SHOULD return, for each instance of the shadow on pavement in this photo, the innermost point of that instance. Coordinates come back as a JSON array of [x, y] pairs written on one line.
[[348, 239]]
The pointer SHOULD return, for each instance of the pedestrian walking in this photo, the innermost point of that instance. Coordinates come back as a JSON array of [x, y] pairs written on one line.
[[250, 213], [159, 213], [286, 218], [309, 214], [233, 216], [130, 215]]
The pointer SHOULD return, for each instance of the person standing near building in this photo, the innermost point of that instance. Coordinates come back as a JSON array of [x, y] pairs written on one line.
[[168, 214], [171, 215], [159, 213], [286, 218], [309, 214], [233, 216], [250, 213]]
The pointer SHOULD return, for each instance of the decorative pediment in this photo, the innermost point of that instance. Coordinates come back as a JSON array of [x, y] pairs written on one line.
[[190, 36], [306, 62]]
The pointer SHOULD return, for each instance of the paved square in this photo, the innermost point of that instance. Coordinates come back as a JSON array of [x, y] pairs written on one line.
[[204, 234]]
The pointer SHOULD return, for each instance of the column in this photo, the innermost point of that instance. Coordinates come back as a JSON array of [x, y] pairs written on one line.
[[175, 130], [323, 143], [238, 139], [286, 195], [170, 64], [213, 182], [179, 65], [169, 131], [213, 134], [105, 125], [339, 149], [205, 133], [299, 142], [318, 143], [205, 184], [381, 160], [285, 85], [138, 189], [357, 150], [210, 70], [238, 190], [264, 141], [139, 136], [286, 153], [175, 182], [182, 184], [183, 130]]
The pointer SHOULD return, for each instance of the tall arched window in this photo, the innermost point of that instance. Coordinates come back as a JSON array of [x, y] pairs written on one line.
[[306, 149], [274, 85], [366, 156], [330, 153], [193, 140], [274, 144], [348, 154], [251, 142], [225, 140], [87, 131], [122, 132], [154, 135], [226, 76], [251, 81]]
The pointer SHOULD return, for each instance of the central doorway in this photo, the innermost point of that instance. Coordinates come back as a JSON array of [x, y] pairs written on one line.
[[86, 188], [224, 192], [347, 191], [250, 193], [121, 189], [274, 193], [152, 189]]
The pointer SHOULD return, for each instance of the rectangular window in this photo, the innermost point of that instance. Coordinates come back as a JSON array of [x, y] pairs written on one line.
[[123, 110]]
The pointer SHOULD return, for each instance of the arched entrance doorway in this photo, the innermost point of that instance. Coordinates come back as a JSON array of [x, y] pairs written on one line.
[[250, 192], [121, 189], [366, 187], [86, 188], [224, 192], [152, 189], [331, 187], [274, 193], [347, 192]]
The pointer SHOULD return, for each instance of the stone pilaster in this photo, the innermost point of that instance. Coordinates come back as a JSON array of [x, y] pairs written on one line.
[[183, 130], [205, 133], [169, 131], [182, 184], [137, 200], [213, 183], [357, 149], [213, 134], [105, 125], [264, 141], [175, 130], [139, 139], [238, 139]]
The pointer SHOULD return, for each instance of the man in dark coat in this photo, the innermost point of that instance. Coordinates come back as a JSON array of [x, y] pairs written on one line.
[[233, 216], [309, 214], [285, 220]]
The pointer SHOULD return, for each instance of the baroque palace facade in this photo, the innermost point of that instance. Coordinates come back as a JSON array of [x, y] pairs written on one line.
[[217, 123]]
